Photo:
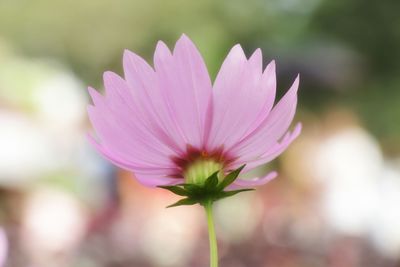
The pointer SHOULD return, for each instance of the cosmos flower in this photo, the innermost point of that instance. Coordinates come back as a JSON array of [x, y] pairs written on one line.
[[169, 124]]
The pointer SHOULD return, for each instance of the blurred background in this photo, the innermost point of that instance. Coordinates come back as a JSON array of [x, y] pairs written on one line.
[[335, 203]]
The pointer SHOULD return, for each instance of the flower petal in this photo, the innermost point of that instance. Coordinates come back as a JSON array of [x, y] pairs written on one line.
[[248, 183], [256, 62], [154, 180], [120, 96], [271, 129], [150, 101], [241, 95], [120, 134], [268, 86], [187, 88], [271, 154], [129, 164]]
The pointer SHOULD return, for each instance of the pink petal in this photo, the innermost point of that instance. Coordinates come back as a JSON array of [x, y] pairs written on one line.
[[154, 180], [256, 62], [249, 183], [119, 96], [271, 129], [129, 164], [271, 154], [120, 135], [148, 176], [226, 92], [148, 98], [268, 85], [187, 88], [116, 89], [239, 97], [97, 98]]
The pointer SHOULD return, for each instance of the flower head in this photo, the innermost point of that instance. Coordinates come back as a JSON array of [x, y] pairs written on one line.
[[169, 124]]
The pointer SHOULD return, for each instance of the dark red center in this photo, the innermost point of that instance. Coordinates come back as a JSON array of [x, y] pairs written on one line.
[[193, 154]]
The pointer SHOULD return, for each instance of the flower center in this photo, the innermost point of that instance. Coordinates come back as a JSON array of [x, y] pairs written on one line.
[[200, 169], [196, 165]]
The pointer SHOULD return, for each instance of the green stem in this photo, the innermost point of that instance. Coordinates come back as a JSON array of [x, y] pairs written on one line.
[[211, 234]]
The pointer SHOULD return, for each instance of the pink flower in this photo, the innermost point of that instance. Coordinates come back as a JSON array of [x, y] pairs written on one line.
[[170, 124]]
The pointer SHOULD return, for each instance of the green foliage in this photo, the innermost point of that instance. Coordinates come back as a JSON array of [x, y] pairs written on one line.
[[230, 178], [212, 190]]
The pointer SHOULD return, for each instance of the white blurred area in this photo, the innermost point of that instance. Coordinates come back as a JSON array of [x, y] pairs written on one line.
[[169, 236], [46, 164], [350, 162], [360, 188], [42, 116], [54, 224]]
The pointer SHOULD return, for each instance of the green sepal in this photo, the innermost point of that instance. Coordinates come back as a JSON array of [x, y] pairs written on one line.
[[211, 182], [212, 189], [230, 178], [183, 202], [225, 194], [175, 189], [194, 189]]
